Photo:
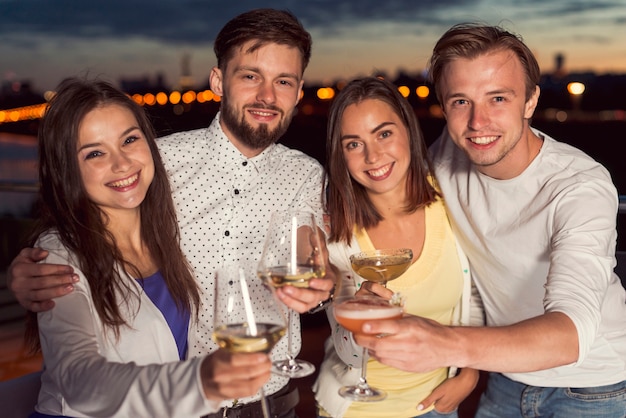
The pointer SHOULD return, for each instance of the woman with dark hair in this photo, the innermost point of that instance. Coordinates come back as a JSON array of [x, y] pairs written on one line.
[[114, 346], [381, 194]]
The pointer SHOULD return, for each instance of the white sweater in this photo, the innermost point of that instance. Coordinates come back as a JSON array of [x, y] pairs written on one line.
[[544, 241], [89, 373]]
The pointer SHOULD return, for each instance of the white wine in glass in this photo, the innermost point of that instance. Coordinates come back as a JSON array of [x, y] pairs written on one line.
[[382, 265], [238, 338], [351, 312], [292, 256], [245, 323]]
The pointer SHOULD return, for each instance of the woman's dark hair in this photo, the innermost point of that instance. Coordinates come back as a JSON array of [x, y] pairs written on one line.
[[65, 207], [347, 202], [264, 26]]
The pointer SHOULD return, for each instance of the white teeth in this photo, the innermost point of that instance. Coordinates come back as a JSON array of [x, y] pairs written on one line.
[[262, 113], [380, 172], [483, 140], [125, 182]]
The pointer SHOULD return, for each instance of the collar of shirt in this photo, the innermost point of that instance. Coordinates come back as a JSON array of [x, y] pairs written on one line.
[[225, 154]]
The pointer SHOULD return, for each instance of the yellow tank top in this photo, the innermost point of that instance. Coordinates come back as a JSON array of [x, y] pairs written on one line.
[[432, 287]]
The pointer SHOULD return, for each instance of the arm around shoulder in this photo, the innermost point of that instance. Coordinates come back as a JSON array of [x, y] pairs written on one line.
[[36, 284]]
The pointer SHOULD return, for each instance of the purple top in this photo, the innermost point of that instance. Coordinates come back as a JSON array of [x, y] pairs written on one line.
[[178, 320]]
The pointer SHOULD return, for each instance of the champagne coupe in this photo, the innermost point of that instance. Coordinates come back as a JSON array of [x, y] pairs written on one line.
[[291, 257], [248, 316], [382, 265], [351, 312]]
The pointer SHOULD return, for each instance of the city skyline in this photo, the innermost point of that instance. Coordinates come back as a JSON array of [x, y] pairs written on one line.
[[48, 41]]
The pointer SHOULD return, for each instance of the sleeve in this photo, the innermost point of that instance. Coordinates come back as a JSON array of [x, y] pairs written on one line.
[[349, 352], [581, 260], [94, 386]]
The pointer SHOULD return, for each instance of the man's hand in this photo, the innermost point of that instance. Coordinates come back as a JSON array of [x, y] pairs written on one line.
[[304, 299], [412, 344], [416, 344], [35, 285], [227, 375]]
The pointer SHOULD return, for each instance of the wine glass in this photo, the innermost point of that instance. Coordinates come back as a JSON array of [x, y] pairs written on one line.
[[382, 265], [351, 312], [291, 257], [245, 323]]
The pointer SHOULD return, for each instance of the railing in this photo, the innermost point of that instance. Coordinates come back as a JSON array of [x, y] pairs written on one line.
[[14, 186], [11, 229]]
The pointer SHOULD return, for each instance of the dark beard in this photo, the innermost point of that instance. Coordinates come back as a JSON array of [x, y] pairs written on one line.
[[259, 138]]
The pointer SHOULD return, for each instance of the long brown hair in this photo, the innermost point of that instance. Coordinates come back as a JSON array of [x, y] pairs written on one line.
[[347, 202], [65, 207]]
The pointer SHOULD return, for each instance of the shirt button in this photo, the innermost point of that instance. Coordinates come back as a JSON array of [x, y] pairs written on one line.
[[227, 233], [245, 163], [236, 191]]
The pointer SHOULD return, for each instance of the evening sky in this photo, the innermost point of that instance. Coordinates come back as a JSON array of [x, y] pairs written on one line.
[[43, 41]]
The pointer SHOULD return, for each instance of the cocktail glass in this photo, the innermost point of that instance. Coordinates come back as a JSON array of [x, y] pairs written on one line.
[[351, 312], [382, 265]]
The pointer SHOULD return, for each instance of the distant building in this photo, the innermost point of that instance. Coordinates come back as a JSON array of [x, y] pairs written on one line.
[[559, 66], [144, 84], [15, 93], [186, 81]]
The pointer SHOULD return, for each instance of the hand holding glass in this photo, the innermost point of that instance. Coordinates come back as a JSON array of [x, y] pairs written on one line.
[[244, 324], [292, 256]]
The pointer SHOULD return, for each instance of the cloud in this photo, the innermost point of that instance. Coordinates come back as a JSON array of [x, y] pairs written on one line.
[[194, 21], [131, 38]]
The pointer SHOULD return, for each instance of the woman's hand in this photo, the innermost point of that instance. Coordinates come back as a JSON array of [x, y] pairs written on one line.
[[373, 288], [451, 392]]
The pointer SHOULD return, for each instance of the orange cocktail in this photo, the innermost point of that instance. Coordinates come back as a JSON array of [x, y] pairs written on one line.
[[352, 312]]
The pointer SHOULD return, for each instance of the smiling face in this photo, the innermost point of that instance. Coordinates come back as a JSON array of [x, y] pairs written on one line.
[[487, 113], [375, 146], [260, 90], [114, 158]]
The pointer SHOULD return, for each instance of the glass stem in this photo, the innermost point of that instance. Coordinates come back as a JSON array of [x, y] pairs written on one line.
[[265, 407], [289, 349], [363, 379]]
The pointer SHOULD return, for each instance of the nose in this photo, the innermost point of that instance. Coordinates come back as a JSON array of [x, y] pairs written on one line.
[[479, 117], [121, 162], [266, 93], [373, 152]]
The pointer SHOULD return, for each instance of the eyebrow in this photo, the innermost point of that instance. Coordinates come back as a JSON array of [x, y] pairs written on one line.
[[258, 71], [95, 144], [376, 129], [489, 93]]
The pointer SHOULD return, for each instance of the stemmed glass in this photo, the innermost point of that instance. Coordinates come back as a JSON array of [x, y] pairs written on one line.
[[248, 316], [382, 265], [351, 312], [292, 256]]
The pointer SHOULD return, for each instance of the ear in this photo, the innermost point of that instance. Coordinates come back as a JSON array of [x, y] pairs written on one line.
[[300, 95], [215, 81], [531, 104]]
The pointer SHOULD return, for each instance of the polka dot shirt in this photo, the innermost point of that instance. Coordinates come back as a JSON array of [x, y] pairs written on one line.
[[224, 201]]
